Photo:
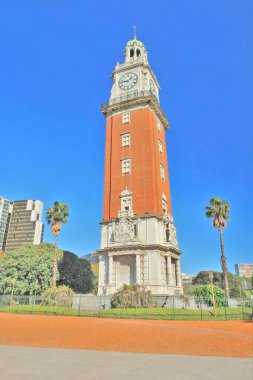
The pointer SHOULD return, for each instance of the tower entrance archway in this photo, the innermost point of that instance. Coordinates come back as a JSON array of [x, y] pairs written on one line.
[[124, 270]]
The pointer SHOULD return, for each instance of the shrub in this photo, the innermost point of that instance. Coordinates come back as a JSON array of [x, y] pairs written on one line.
[[58, 296], [132, 296], [204, 294], [95, 283]]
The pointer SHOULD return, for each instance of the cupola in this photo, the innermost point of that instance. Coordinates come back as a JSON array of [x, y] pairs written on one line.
[[135, 51]]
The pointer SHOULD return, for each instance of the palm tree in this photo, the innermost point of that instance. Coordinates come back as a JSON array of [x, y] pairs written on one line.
[[55, 216], [219, 212]]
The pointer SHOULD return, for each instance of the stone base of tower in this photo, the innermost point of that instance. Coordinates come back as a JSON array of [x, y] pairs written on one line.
[[155, 268]]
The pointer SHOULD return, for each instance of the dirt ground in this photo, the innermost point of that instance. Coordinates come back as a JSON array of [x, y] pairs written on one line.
[[228, 339]]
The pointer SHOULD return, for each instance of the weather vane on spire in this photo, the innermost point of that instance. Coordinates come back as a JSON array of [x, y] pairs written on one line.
[[134, 29]]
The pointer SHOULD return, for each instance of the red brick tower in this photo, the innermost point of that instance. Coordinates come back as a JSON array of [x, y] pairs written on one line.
[[139, 242]]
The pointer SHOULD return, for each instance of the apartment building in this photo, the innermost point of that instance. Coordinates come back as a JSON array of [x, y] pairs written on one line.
[[5, 213], [25, 225]]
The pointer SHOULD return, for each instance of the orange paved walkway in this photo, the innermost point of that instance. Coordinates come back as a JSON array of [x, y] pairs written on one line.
[[231, 338]]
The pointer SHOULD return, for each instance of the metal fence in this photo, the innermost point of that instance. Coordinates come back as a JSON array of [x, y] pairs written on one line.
[[163, 307]]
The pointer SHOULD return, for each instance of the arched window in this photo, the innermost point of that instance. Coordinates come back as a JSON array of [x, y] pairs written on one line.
[[138, 52], [131, 53]]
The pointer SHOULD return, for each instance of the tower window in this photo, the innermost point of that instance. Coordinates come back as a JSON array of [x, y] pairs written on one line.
[[126, 200], [125, 117], [126, 204], [131, 53], [167, 233], [158, 126], [138, 52], [162, 171], [160, 146], [126, 139], [126, 165], [164, 205]]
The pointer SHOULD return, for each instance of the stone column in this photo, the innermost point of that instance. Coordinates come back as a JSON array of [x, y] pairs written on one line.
[[169, 271], [178, 273], [138, 268], [110, 270]]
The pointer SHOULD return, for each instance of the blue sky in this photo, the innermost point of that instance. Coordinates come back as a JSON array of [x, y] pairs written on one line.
[[55, 67]]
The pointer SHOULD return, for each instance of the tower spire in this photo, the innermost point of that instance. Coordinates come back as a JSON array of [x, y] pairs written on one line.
[[134, 30]]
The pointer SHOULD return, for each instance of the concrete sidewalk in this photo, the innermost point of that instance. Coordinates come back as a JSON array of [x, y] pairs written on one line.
[[25, 363]]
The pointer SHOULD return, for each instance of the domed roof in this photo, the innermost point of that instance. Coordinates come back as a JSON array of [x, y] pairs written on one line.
[[135, 42]]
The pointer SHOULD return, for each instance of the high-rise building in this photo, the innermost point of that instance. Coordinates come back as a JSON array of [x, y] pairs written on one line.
[[5, 212], [25, 224], [138, 238]]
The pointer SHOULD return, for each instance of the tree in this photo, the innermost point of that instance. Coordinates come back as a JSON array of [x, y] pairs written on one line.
[[235, 283], [204, 294], [75, 272], [27, 270], [55, 216], [219, 211]]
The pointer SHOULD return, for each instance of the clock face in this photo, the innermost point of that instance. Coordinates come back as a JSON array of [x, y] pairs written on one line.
[[128, 81], [152, 87]]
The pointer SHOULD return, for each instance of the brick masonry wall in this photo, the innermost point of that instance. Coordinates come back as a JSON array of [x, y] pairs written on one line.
[[144, 181]]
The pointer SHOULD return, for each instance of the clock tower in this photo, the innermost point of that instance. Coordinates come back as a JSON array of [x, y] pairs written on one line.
[[138, 237]]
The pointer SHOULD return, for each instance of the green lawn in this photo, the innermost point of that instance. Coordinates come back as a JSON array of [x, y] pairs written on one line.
[[178, 314], [140, 313]]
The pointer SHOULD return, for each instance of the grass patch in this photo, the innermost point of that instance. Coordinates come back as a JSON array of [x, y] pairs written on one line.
[[158, 313], [179, 314]]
